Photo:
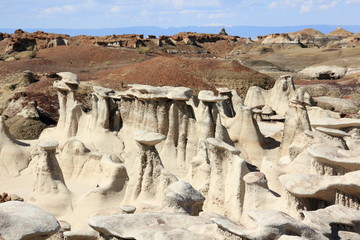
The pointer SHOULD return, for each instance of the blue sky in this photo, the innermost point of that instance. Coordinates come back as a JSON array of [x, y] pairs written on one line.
[[175, 13]]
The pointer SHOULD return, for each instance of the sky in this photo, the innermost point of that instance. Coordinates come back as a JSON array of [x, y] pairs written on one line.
[[175, 13]]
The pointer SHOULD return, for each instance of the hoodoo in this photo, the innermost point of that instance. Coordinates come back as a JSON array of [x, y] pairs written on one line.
[[165, 163]]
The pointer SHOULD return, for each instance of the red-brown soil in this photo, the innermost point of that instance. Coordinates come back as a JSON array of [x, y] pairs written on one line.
[[197, 73]]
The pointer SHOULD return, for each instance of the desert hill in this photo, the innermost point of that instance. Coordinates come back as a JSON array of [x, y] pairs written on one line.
[[340, 32], [198, 73]]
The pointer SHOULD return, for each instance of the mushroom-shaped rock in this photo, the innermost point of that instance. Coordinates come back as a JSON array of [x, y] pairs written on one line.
[[103, 92], [331, 219], [154, 226], [338, 159], [49, 189], [20, 220], [69, 78], [180, 196], [49, 145], [147, 92], [68, 83], [208, 96], [179, 93], [69, 109], [223, 90], [148, 177], [341, 190], [148, 138]]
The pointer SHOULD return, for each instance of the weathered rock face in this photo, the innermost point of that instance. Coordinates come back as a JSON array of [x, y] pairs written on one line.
[[226, 166], [22, 41], [297, 121], [14, 155], [310, 37], [145, 159]]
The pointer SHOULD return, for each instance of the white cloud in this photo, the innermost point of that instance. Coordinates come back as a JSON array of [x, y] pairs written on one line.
[[115, 9], [215, 25], [178, 3], [67, 9], [273, 5], [306, 6], [329, 5], [58, 10], [352, 2], [217, 14]]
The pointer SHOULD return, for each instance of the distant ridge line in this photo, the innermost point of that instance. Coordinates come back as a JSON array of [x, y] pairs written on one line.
[[242, 31]]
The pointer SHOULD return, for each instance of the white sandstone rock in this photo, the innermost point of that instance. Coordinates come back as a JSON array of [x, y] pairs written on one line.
[[20, 220], [324, 72], [208, 96]]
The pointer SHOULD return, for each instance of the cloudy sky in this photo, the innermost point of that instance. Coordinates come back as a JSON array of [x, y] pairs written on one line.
[[175, 13]]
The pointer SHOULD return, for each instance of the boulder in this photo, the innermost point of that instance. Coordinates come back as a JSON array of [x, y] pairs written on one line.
[[324, 72], [269, 224], [180, 196], [154, 226], [337, 104], [20, 220]]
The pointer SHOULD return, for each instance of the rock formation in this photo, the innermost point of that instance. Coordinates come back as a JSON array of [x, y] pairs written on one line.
[[277, 98], [165, 163]]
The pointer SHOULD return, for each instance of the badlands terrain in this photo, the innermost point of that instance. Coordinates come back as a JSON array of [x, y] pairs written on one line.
[[190, 136]]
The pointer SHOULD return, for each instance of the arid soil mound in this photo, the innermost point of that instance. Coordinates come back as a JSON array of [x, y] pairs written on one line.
[[191, 72], [340, 32]]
